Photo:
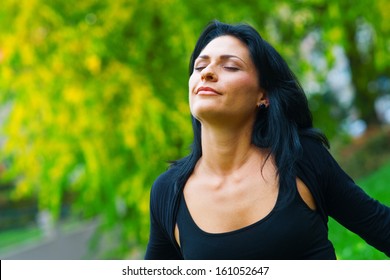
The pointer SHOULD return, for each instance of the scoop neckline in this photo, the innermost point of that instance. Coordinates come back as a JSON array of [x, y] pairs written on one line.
[[235, 231]]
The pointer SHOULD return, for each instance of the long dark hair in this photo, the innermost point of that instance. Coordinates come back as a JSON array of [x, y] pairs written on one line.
[[277, 128]]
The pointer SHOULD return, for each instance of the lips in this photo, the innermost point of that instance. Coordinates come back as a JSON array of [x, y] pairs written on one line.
[[207, 91]]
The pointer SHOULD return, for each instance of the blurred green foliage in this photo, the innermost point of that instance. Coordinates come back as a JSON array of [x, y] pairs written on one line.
[[93, 94]]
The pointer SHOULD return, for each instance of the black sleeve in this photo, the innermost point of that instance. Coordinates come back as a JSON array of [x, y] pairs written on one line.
[[160, 245], [347, 203]]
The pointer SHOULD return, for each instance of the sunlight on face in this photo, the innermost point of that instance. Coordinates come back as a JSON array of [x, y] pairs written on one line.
[[224, 83]]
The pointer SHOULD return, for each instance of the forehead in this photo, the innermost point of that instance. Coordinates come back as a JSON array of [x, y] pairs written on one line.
[[226, 45]]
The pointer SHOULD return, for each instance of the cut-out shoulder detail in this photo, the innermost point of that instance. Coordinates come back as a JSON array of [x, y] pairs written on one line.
[[306, 195], [177, 235]]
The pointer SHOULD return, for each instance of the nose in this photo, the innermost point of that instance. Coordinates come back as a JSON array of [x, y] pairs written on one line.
[[208, 74]]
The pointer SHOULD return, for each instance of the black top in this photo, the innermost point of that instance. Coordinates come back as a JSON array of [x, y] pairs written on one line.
[[335, 194], [291, 232]]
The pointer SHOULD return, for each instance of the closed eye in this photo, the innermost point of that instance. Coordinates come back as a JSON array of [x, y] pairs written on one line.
[[231, 68], [199, 68]]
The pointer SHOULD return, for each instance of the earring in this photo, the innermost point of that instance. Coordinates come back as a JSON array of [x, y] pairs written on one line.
[[262, 106]]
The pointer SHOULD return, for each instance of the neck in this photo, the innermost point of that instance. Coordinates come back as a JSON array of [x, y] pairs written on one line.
[[225, 150]]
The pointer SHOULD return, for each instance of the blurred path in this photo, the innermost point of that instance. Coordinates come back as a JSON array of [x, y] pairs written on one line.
[[71, 245]]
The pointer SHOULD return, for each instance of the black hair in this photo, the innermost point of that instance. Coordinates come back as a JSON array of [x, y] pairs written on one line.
[[277, 128]]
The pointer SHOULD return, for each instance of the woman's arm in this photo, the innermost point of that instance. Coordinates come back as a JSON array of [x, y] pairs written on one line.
[[346, 202], [160, 245]]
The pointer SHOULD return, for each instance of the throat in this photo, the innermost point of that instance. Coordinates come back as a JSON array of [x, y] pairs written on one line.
[[231, 163], [225, 150]]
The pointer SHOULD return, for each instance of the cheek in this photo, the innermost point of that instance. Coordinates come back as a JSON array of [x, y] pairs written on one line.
[[247, 93], [191, 83], [247, 86], [191, 86]]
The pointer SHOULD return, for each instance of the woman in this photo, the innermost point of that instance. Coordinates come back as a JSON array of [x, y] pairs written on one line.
[[259, 182]]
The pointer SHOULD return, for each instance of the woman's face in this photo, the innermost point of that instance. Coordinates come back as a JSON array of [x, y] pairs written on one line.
[[224, 83]]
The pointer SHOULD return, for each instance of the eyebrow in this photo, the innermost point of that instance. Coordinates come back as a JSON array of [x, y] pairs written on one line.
[[224, 56]]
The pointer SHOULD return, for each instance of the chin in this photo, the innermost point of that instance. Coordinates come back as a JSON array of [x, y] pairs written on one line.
[[204, 107], [208, 114]]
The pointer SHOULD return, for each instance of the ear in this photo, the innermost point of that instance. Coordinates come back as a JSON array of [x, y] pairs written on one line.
[[262, 98]]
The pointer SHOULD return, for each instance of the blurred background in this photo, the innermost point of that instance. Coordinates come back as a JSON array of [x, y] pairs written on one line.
[[93, 106]]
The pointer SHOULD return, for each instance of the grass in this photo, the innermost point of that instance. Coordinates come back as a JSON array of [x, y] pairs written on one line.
[[14, 238], [348, 245], [17, 237]]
